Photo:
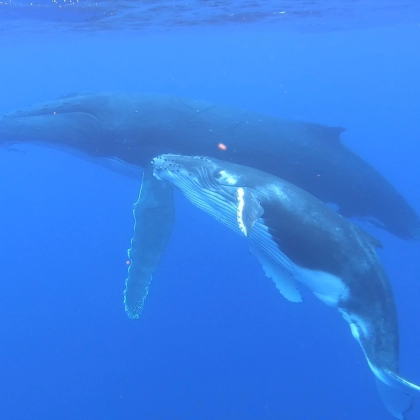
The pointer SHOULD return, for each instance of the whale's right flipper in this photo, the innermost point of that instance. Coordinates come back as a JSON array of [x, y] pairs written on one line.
[[154, 217]]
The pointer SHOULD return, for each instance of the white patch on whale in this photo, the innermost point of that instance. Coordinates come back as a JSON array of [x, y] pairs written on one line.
[[326, 287], [241, 204], [228, 178]]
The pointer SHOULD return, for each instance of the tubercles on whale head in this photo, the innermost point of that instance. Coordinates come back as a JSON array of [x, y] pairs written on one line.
[[194, 167], [204, 172], [166, 165]]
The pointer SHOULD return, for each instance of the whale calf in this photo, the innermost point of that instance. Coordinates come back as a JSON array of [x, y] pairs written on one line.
[[126, 130], [300, 240]]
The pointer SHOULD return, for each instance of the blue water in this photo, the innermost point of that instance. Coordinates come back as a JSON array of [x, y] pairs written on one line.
[[216, 340]]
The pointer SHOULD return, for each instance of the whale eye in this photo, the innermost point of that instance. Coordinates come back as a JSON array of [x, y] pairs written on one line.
[[217, 175]]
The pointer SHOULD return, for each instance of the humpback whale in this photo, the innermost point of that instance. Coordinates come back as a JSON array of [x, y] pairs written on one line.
[[125, 131], [298, 239]]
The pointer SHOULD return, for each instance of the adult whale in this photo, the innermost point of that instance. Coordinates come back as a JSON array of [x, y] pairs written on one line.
[[127, 130], [299, 239]]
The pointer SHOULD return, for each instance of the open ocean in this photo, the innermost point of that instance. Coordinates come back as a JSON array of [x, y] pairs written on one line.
[[216, 340]]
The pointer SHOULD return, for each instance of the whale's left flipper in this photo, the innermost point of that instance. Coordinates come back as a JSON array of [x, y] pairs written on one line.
[[154, 217]]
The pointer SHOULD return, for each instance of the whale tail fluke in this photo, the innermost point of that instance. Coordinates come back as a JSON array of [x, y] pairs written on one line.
[[397, 394]]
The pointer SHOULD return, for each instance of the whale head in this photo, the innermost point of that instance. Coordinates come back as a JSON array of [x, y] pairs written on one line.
[[216, 187], [197, 172]]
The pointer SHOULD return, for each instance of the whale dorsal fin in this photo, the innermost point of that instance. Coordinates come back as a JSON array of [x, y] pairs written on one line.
[[249, 210], [375, 242]]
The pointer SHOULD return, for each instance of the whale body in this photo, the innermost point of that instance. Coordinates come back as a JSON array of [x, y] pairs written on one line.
[[300, 240], [126, 130]]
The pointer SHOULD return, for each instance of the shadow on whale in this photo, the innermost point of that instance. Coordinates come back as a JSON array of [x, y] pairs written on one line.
[[300, 240], [125, 131]]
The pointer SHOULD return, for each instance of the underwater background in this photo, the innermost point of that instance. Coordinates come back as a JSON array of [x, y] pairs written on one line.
[[216, 340]]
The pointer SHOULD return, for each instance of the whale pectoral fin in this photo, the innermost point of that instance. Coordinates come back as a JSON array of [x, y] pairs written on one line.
[[154, 217], [397, 394], [249, 210], [283, 280]]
